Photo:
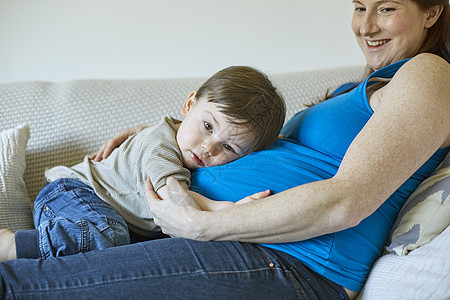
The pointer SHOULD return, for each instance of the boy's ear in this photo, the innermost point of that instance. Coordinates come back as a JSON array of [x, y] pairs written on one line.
[[189, 103]]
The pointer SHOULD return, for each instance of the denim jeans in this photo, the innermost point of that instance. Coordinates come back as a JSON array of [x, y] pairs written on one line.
[[169, 268], [70, 218]]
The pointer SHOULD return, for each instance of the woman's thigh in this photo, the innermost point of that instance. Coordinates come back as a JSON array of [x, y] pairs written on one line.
[[160, 269]]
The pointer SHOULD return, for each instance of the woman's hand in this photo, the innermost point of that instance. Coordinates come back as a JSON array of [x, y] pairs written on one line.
[[176, 215], [115, 142], [179, 214]]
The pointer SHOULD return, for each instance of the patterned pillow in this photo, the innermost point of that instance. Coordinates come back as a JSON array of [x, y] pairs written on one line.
[[425, 214], [15, 206]]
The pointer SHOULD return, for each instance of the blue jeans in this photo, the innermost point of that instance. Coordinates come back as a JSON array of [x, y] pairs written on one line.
[[167, 269], [70, 218]]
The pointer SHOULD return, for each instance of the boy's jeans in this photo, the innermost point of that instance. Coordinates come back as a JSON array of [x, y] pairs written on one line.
[[70, 218]]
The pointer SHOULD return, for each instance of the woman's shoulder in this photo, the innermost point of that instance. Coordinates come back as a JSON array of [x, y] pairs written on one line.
[[428, 58], [421, 83], [423, 70], [426, 62]]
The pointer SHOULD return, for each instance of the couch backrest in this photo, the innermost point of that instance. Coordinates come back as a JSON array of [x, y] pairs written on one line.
[[71, 119]]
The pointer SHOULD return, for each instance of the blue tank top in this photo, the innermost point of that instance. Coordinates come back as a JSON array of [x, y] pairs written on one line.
[[316, 141]]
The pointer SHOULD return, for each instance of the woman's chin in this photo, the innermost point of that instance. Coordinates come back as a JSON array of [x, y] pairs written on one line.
[[376, 63]]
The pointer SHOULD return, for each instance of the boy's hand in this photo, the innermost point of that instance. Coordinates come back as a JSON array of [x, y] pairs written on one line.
[[255, 197], [115, 142]]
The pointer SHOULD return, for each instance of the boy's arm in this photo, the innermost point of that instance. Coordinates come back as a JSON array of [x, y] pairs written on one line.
[[213, 205], [115, 142], [206, 204]]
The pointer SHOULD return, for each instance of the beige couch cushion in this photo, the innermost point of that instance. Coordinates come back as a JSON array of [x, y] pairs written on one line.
[[15, 206]]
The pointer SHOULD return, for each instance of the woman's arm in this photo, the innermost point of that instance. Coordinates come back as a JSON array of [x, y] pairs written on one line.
[[411, 122]]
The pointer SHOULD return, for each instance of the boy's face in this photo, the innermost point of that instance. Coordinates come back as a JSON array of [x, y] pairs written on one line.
[[206, 138]]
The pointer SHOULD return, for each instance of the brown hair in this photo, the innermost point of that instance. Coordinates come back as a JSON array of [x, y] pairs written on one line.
[[248, 98], [438, 37]]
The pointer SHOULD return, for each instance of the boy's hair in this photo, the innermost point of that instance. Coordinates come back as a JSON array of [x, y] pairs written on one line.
[[248, 98]]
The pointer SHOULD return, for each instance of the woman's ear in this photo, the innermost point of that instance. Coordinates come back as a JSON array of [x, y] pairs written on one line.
[[189, 103], [433, 15]]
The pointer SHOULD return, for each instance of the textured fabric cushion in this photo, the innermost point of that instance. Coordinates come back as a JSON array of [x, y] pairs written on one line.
[[425, 214], [15, 207], [422, 274]]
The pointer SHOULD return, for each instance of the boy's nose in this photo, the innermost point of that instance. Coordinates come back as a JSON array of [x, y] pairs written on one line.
[[210, 147]]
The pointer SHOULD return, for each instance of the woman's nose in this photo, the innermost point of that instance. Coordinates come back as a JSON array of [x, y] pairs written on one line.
[[368, 25]]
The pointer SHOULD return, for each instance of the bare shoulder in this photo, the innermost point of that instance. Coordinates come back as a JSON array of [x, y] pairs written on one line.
[[428, 58], [423, 85], [425, 66], [425, 75]]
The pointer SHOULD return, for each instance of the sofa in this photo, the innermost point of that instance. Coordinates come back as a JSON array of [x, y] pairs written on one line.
[[43, 124]]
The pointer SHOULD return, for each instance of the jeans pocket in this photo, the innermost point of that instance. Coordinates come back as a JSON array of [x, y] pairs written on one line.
[[48, 212], [106, 230], [95, 234], [264, 255]]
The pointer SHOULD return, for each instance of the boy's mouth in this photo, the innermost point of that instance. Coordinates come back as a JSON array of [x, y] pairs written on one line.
[[196, 159]]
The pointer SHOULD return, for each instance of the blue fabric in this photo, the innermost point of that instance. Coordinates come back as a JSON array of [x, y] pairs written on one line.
[[27, 244], [70, 218], [166, 269], [344, 88], [316, 141]]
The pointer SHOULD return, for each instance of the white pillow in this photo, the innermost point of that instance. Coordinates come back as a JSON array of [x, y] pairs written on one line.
[[15, 206], [422, 274], [426, 212]]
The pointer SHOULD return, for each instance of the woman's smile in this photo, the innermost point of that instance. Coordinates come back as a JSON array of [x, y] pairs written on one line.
[[377, 43]]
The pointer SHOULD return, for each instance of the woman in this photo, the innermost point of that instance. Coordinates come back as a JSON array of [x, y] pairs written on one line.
[[347, 166]]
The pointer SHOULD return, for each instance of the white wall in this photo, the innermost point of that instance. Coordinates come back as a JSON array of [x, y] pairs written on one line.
[[59, 40]]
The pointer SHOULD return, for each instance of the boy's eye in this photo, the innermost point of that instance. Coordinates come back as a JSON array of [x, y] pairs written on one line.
[[229, 148], [208, 126]]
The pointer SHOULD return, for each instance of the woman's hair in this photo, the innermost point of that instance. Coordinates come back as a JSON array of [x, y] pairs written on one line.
[[438, 37], [247, 97]]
